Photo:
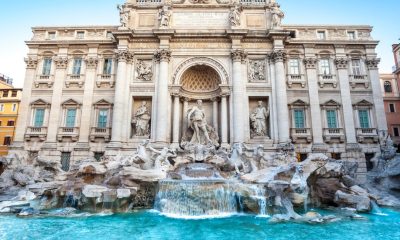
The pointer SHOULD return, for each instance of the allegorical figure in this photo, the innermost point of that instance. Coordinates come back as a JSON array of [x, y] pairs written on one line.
[[144, 71], [124, 15], [197, 121], [259, 120], [277, 15], [141, 120], [234, 15], [164, 16]]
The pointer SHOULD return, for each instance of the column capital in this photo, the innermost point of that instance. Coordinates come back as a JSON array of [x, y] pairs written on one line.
[[61, 62], [91, 62], [123, 55], [238, 55], [310, 62], [372, 63], [278, 56], [341, 63], [214, 99], [31, 62], [163, 55]]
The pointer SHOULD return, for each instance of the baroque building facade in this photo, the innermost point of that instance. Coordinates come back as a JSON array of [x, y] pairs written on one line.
[[104, 89]]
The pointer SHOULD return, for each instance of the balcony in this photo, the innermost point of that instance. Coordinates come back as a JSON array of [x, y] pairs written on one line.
[[296, 79], [75, 80], [334, 135], [301, 135], [324, 79], [367, 135], [44, 80], [105, 80], [97, 132], [36, 132], [68, 132], [359, 79]]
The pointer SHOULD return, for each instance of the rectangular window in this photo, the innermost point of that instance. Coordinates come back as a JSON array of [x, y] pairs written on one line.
[[331, 118], [7, 141], [356, 67], [76, 68], [1, 107], [70, 118], [14, 107], [65, 161], [80, 35], [109, 35], [396, 132], [321, 35], [392, 108], [324, 67], [294, 66], [363, 116], [39, 117], [107, 66], [351, 35], [102, 118], [299, 118], [10, 123], [51, 35], [14, 94], [5, 93], [46, 66]]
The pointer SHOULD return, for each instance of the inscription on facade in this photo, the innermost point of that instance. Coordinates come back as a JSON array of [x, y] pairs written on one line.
[[201, 19]]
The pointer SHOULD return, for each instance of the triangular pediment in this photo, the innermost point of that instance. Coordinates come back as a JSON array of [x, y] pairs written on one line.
[[299, 102], [40, 102], [331, 103], [363, 103], [102, 102], [70, 102]]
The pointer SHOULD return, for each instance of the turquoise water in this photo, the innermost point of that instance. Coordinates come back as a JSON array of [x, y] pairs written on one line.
[[150, 225]]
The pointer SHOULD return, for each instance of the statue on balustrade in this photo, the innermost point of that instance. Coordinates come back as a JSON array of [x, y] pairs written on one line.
[[164, 15], [141, 121], [277, 16], [124, 15], [258, 121], [234, 15]]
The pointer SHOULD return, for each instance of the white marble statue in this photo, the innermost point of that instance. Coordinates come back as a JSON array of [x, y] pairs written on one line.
[[257, 69], [197, 121], [124, 15], [161, 162], [277, 16], [141, 120], [144, 71], [164, 15], [258, 119], [234, 16], [143, 156]]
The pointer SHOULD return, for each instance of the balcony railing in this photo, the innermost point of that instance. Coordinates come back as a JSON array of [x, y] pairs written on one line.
[[105, 79], [333, 135], [75, 80], [253, 2], [97, 132], [46, 80], [327, 79], [145, 2], [301, 134], [296, 79], [71, 132], [359, 79], [365, 135], [39, 132]]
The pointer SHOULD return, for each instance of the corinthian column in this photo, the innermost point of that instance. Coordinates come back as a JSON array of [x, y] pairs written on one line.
[[238, 96], [372, 65], [279, 57], [118, 111], [163, 56], [224, 121], [175, 127]]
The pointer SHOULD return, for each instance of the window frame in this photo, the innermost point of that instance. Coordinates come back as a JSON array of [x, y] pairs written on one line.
[[321, 34], [47, 65], [108, 66], [296, 66], [357, 70], [387, 86], [322, 66], [368, 118], [77, 69]]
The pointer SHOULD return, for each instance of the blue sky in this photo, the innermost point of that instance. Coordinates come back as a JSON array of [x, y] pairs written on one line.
[[17, 17]]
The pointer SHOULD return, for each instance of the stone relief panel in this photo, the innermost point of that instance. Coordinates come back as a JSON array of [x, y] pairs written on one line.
[[259, 118], [144, 70], [202, 20], [141, 118], [256, 71]]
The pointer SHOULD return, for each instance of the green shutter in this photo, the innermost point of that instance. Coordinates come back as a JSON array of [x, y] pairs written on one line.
[[299, 118], [364, 118], [39, 117], [331, 118], [70, 118]]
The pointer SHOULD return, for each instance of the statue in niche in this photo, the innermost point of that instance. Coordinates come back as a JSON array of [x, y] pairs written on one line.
[[199, 132], [277, 16], [144, 71], [258, 121], [234, 15], [257, 69], [161, 162], [141, 121], [164, 15], [124, 15]]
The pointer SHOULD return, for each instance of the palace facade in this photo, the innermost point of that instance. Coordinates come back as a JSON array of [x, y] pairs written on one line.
[[95, 90]]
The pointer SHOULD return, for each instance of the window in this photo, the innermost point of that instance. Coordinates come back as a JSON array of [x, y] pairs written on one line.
[[351, 35], [387, 86], [14, 107], [80, 35], [7, 141], [396, 132], [46, 66], [1, 107], [356, 67], [10, 123], [39, 117], [102, 118], [321, 35], [294, 67], [70, 118], [76, 68], [14, 94], [392, 108], [109, 35], [324, 67], [5, 93], [98, 156], [363, 116], [65, 161], [336, 156], [0, 123], [51, 35], [299, 118], [107, 66], [331, 118]]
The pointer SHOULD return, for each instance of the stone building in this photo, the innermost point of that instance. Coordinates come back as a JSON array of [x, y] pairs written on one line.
[[103, 89]]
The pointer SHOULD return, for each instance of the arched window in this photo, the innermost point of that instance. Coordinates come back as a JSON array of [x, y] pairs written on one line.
[[388, 87]]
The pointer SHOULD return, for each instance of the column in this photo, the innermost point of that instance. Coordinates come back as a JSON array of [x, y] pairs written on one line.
[[272, 103], [238, 97], [224, 121], [61, 63], [184, 118], [176, 119], [215, 114], [90, 79], [343, 74], [279, 56], [126, 133], [118, 110], [163, 98], [23, 112], [316, 121], [372, 65]]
